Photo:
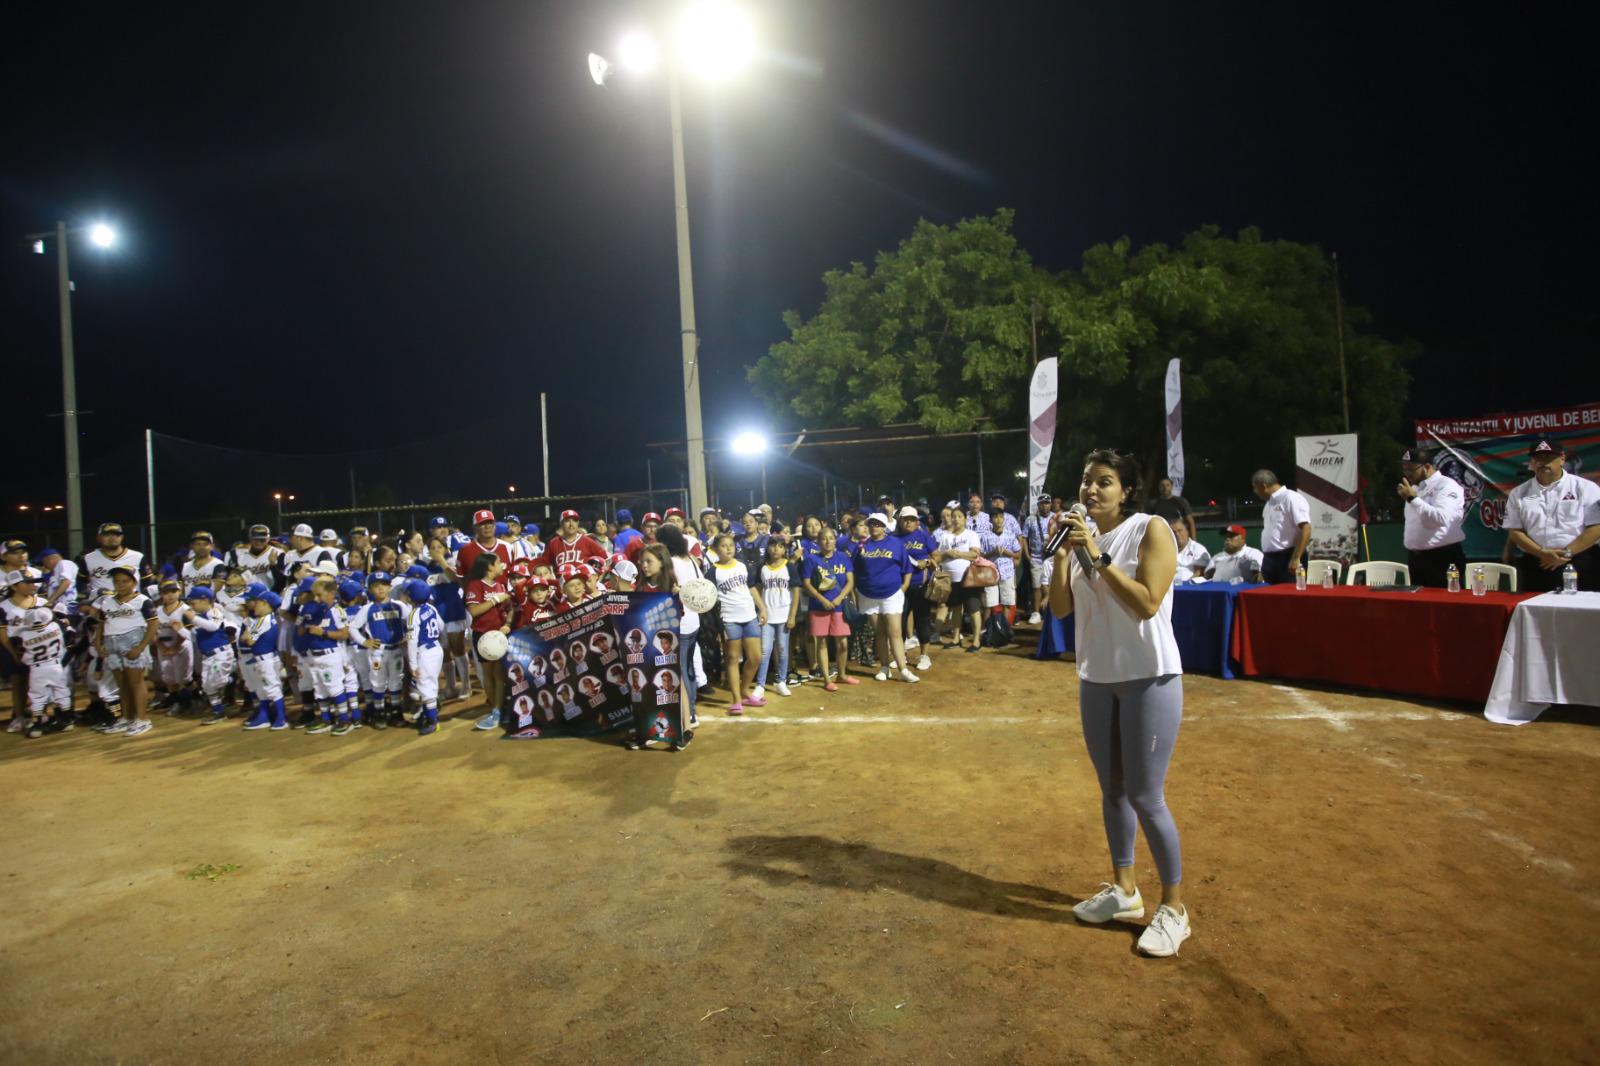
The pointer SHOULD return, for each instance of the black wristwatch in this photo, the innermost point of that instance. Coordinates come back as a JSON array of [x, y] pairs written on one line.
[[1103, 562]]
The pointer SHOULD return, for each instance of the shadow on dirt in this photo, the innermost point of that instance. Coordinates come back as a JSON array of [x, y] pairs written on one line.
[[785, 861]]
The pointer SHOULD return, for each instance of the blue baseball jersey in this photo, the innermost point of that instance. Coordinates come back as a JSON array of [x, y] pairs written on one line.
[[837, 566], [386, 623], [211, 641], [325, 615], [260, 635], [447, 597], [426, 625], [880, 567], [919, 545]]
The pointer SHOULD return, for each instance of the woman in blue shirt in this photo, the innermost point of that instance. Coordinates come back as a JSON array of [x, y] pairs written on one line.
[[882, 574]]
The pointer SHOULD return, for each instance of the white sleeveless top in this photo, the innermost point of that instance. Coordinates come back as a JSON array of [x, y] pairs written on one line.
[[1112, 643]]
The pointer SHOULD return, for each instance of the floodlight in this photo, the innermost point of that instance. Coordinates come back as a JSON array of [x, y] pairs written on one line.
[[102, 235], [638, 53], [749, 444], [715, 39], [599, 68], [38, 246]]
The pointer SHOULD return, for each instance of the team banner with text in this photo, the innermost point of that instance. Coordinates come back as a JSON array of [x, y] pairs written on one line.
[[1041, 426], [589, 671], [1489, 457], [1326, 474]]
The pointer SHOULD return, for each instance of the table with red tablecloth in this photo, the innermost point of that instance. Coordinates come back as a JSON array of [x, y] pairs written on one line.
[[1424, 642]]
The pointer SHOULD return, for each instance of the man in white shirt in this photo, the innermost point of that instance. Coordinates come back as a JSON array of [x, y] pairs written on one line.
[[1554, 519], [1285, 527], [1434, 508], [1193, 559], [1236, 559]]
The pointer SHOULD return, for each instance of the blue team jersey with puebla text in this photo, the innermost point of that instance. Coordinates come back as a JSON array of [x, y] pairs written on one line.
[[838, 566], [919, 545], [880, 566]]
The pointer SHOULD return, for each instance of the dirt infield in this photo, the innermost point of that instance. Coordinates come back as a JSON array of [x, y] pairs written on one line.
[[881, 875]]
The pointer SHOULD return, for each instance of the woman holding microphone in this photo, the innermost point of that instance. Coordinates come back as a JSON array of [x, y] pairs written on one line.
[[1113, 574]]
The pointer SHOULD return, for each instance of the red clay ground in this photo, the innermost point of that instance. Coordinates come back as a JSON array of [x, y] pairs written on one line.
[[1371, 880]]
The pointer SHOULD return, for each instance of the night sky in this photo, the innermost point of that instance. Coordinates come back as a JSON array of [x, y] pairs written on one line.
[[349, 222]]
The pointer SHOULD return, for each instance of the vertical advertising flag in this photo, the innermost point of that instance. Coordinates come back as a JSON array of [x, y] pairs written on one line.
[[1326, 475], [1174, 409], [1041, 426]]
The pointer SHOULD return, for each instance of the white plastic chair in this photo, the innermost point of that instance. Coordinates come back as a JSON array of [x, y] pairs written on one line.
[[1379, 573], [1315, 568], [1492, 573]]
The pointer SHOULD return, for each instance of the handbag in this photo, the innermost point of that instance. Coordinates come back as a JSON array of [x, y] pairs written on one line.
[[938, 588], [981, 574]]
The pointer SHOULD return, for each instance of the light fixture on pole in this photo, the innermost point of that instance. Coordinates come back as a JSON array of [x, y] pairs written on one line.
[[752, 443], [102, 236], [713, 40]]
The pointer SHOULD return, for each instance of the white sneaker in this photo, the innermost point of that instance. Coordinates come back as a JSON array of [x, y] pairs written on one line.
[[18, 724], [881, 675], [759, 692], [782, 689], [908, 677], [143, 726], [1034, 619], [913, 642], [893, 666], [924, 663], [1165, 933], [1109, 904]]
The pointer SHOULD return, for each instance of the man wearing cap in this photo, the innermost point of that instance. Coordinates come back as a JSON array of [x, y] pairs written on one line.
[[625, 534], [513, 538], [111, 552], [201, 567], [1035, 535], [303, 548], [1285, 527], [569, 545], [1236, 559], [484, 540], [1434, 508], [1554, 520], [258, 559], [649, 524], [60, 581]]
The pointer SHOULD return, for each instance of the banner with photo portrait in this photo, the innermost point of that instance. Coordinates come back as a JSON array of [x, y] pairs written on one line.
[[592, 670]]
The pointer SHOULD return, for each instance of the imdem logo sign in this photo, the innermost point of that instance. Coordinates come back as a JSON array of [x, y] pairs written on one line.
[[1328, 454]]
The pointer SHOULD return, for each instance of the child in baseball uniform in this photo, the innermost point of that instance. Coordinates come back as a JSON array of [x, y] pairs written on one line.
[[322, 631], [34, 637], [174, 650], [213, 636], [424, 653], [357, 672], [258, 658], [382, 627]]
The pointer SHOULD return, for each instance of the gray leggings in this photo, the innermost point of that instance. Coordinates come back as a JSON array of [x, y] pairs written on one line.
[[1130, 728]]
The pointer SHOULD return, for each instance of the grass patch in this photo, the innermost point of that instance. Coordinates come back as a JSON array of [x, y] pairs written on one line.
[[210, 872]]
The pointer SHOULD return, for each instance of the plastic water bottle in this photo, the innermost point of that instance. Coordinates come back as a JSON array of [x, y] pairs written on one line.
[[1480, 585], [1300, 578], [1569, 578], [1327, 577], [1453, 577]]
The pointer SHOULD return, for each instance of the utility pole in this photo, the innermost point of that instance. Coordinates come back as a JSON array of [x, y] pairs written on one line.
[[1338, 315]]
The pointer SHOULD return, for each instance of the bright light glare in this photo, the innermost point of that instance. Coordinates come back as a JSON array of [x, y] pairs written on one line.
[[749, 444], [715, 40], [638, 53], [38, 247], [599, 68], [102, 235]]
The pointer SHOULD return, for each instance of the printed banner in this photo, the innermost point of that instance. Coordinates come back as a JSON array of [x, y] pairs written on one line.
[[1174, 409], [1326, 475], [594, 669], [1489, 457], [1041, 426]]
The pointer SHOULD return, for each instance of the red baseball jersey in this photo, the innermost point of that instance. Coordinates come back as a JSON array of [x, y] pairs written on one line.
[[559, 551], [472, 549]]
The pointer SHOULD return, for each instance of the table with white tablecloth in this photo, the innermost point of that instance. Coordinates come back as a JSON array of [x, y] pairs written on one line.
[[1551, 655]]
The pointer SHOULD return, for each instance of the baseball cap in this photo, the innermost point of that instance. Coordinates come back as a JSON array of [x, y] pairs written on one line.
[[327, 568], [670, 511], [569, 514], [15, 546], [501, 529], [908, 511], [199, 592], [328, 536], [539, 581], [304, 588], [45, 553], [624, 515], [200, 534], [349, 588], [953, 505], [522, 567], [260, 530], [417, 571], [511, 518], [1415, 455], [170, 584], [625, 571], [878, 517], [265, 595], [418, 591], [379, 577], [480, 517], [438, 521], [26, 573], [110, 527], [569, 571], [359, 531], [999, 496], [707, 510], [1234, 531], [302, 530], [650, 516], [130, 571], [1544, 446], [532, 529], [754, 512], [596, 564]]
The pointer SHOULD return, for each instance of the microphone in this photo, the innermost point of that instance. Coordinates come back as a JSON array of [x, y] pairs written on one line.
[[1054, 545]]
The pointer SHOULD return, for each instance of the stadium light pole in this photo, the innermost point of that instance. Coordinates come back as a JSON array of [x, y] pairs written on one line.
[[714, 40], [102, 236]]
